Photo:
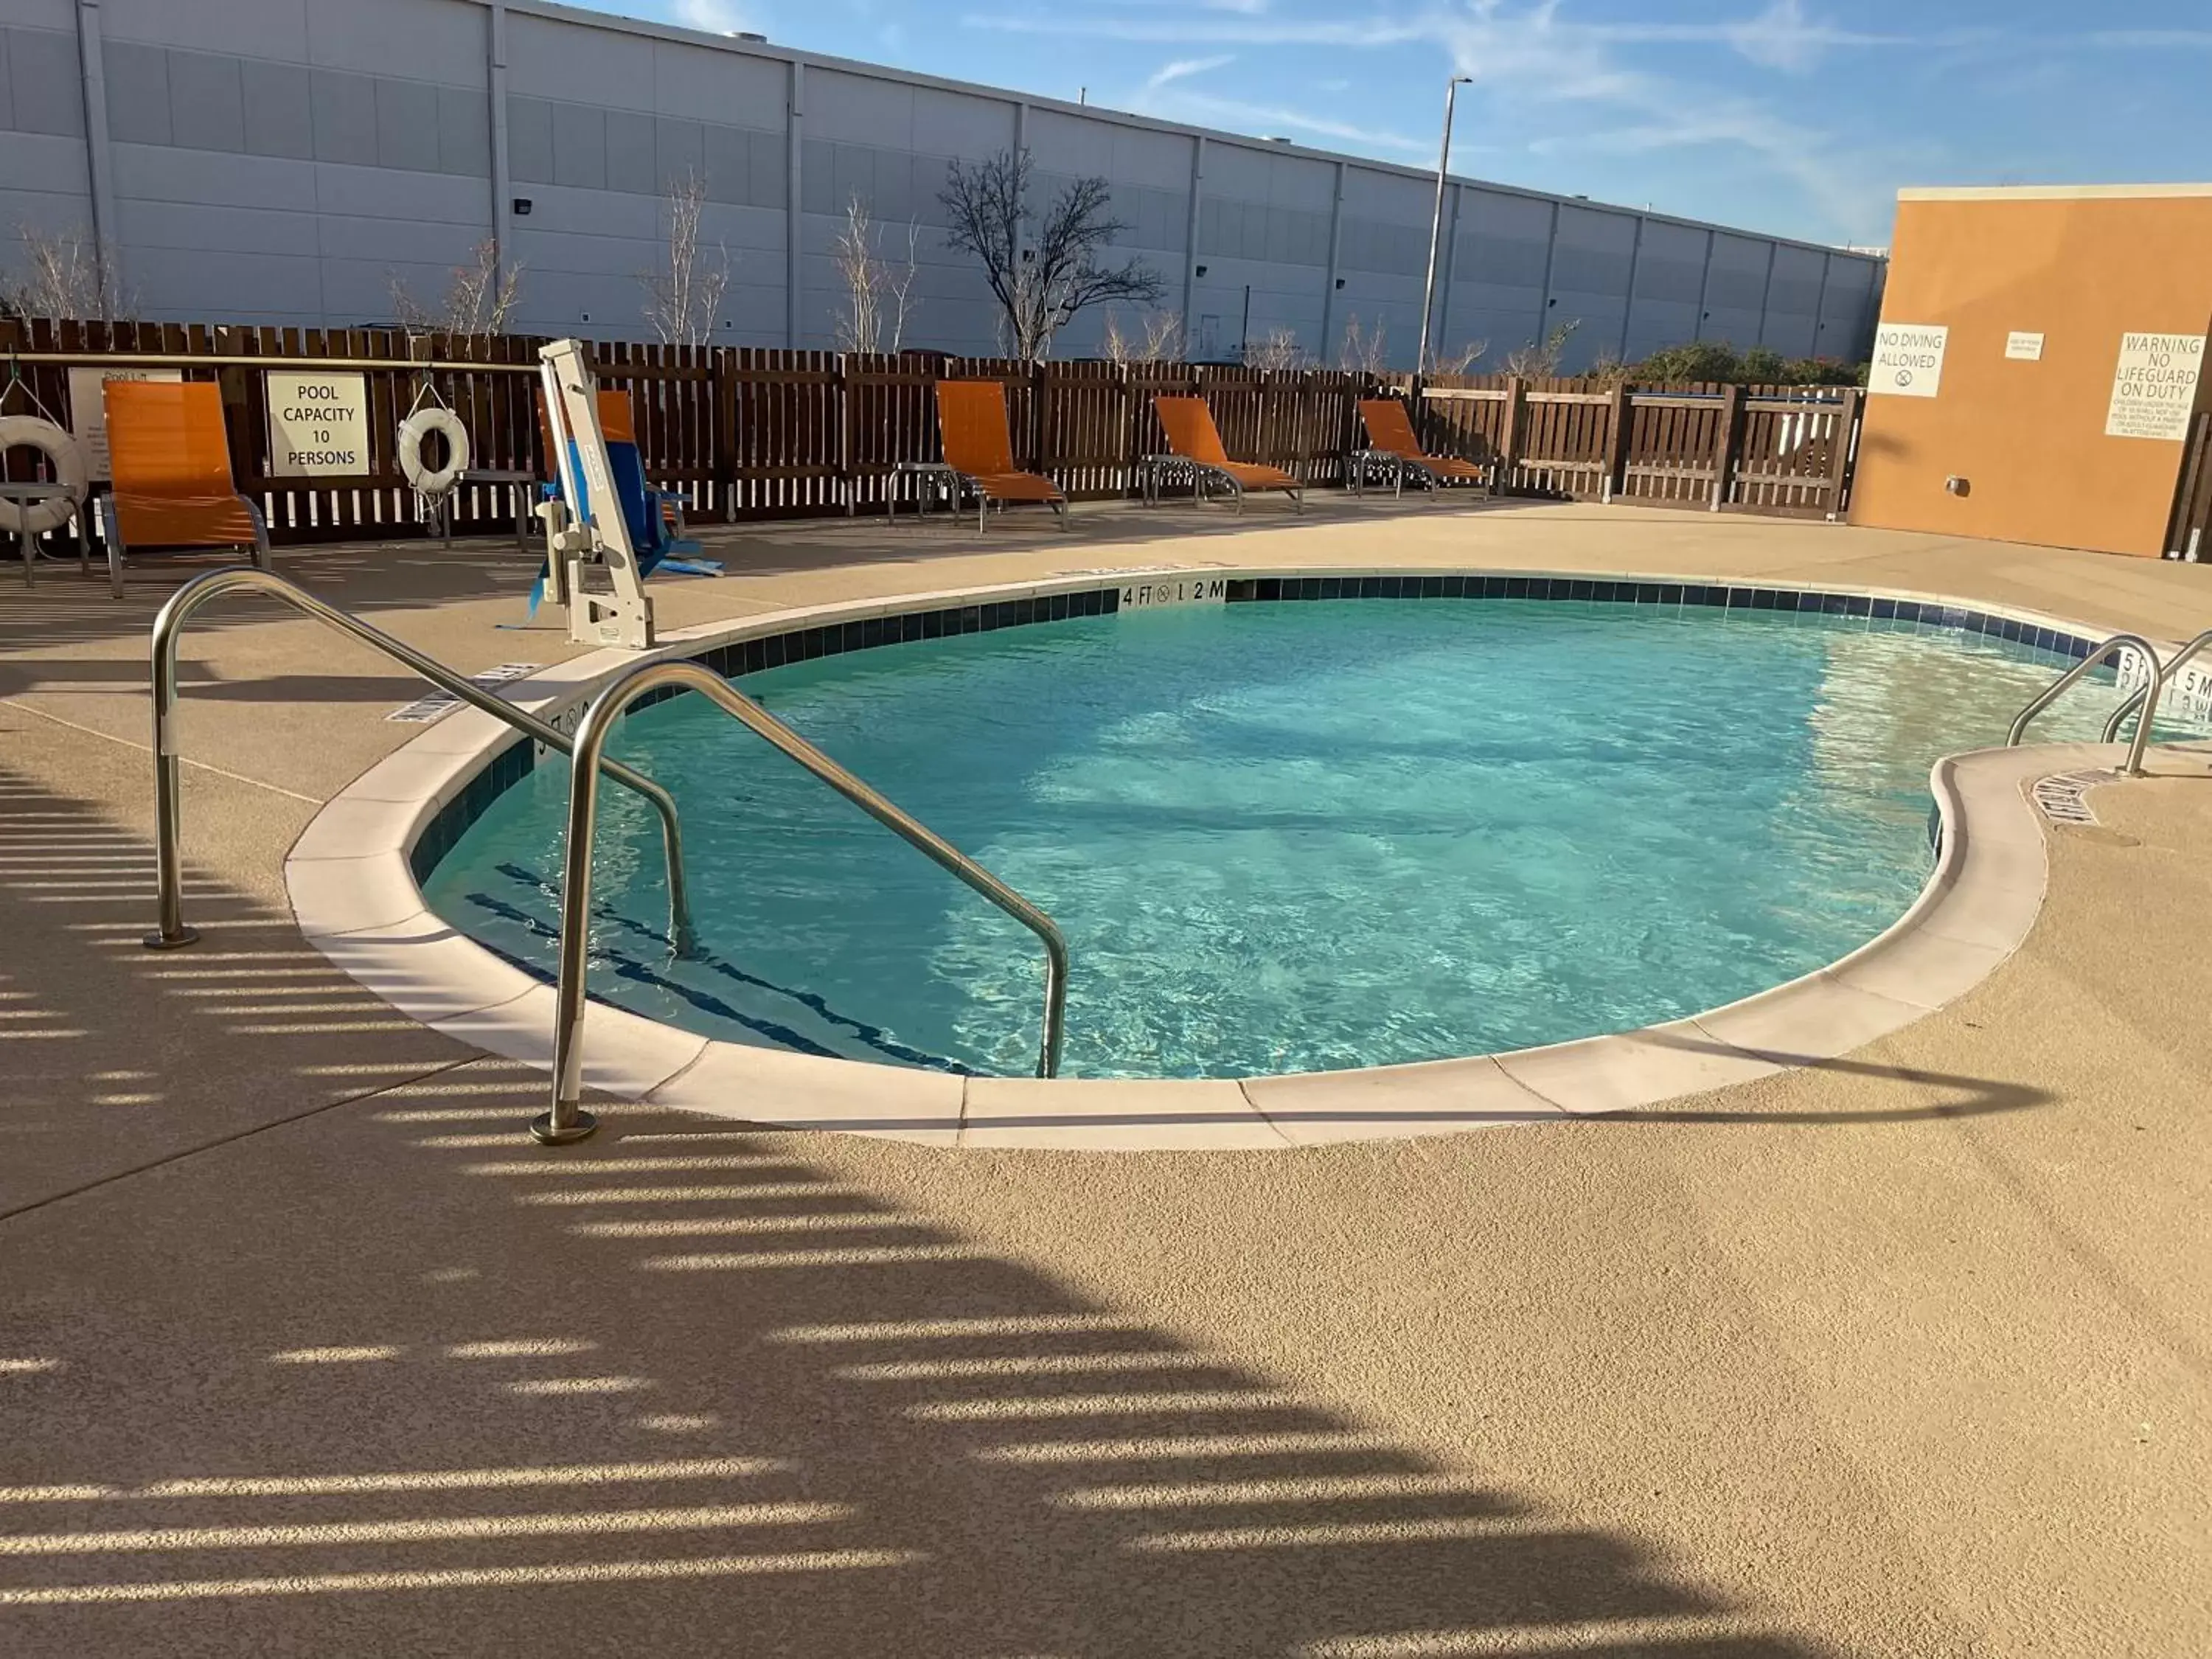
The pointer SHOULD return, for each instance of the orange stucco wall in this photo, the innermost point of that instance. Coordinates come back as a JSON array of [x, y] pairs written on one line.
[[2029, 437]]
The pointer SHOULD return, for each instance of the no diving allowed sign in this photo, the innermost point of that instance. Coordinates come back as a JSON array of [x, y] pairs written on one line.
[[1908, 360]]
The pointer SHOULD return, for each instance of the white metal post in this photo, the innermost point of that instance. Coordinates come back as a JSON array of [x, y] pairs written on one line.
[[1437, 221]]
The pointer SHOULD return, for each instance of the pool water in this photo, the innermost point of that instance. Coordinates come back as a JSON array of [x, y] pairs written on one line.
[[1278, 837]]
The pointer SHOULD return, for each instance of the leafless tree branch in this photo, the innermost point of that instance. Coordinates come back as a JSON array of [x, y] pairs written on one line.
[[682, 299], [878, 296], [64, 274], [1540, 360], [1365, 349], [1278, 348], [1040, 282], [478, 300]]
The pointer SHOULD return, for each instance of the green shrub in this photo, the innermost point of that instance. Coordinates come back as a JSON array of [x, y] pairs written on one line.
[[1718, 362]]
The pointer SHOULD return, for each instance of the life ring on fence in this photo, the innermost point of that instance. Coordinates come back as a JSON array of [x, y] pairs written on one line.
[[67, 460], [419, 425]]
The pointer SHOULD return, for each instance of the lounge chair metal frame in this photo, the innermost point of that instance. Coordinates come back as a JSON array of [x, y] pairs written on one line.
[[158, 497], [1397, 466], [968, 486], [978, 485], [111, 531], [1205, 472]]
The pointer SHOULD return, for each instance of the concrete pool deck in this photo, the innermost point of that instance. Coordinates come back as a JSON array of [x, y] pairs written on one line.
[[1901, 1354]]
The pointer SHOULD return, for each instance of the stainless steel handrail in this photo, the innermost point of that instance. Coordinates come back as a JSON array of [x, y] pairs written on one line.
[[2052, 692], [169, 625], [569, 1120], [2181, 660]]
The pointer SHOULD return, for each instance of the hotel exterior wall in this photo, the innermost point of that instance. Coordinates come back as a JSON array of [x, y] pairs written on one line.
[[282, 161], [2081, 268]]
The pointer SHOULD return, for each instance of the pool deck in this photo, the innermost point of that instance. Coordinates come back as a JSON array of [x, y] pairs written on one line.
[[308, 1352]]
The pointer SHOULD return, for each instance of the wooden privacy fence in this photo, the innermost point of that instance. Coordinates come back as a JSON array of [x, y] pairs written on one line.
[[770, 434], [1786, 450]]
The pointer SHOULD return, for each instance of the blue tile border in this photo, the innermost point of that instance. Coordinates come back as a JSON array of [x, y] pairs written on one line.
[[753, 656], [1246, 590]]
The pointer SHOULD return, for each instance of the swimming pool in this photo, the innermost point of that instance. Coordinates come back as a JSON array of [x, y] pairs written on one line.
[[1279, 837]]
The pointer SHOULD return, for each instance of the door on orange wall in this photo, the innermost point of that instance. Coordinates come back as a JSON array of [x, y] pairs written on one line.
[[2188, 532]]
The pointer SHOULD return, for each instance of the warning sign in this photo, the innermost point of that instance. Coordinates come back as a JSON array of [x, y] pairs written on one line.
[[1908, 360], [317, 424], [2155, 387]]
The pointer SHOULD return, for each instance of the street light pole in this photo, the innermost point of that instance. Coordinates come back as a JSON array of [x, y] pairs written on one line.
[[1437, 224]]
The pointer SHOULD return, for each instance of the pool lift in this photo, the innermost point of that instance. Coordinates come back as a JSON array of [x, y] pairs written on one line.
[[584, 527]]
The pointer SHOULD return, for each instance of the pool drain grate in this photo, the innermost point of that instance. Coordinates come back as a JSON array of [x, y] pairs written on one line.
[[423, 710], [2064, 799]]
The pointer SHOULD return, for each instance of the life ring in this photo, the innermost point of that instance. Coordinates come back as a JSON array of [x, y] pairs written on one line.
[[419, 425], [62, 456]]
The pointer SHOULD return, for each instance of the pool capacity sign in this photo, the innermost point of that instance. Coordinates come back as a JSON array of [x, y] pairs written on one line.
[[1908, 359], [317, 424], [2155, 386]]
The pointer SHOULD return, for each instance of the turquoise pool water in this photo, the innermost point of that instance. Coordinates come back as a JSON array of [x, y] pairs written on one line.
[[1278, 837]]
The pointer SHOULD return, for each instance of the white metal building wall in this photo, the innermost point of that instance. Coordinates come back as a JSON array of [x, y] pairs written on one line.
[[288, 162]]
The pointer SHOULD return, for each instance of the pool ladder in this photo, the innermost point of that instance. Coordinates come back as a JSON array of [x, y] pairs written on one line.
[[567, 1121], [2142, 702], [172, 933]]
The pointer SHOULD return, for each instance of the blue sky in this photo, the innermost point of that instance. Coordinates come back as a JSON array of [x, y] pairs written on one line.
[[1793, 116]]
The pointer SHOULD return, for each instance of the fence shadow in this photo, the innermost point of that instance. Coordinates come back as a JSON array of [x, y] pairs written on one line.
[[387, 1378]]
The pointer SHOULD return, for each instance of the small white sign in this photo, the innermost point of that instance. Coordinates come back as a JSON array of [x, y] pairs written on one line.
[[2155, 386], [2024, 348], [1908, 359], [1154, 592], [2190, 693], [89, 410], [317, 424]]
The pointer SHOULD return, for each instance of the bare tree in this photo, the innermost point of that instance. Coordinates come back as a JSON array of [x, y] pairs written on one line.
[[1040, 282], [1462, 360], [65, 274], [478, 300], [1114, 346], [682, 299], [1540, 360], [878, 296], [1364, 349], [1160, 341], [1278, 348]]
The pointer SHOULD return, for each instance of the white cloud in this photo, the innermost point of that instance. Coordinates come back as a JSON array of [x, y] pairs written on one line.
[[1204, 110], [1527, 59], [1202, 31], [714, 16], [1183, 68], [1565, 83]]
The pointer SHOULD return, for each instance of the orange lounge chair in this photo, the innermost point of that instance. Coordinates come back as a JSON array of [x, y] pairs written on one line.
[[171, 464], [971, 420], [1391, 443], [1192, 435]]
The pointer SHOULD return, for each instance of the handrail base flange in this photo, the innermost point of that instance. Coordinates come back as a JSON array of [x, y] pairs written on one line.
[[547, 1132], [176, 941]]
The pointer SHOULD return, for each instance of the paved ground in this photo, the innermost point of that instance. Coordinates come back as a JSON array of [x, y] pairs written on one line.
[[306, 1353]]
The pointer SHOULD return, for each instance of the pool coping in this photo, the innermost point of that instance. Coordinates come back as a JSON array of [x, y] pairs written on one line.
[[351, 881]]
